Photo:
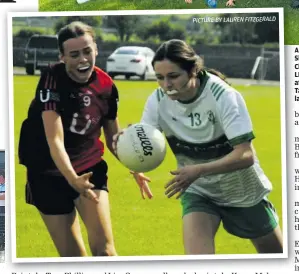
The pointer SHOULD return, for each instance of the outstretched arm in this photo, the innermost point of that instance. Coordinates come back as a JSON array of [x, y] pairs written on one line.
[[55, 138]]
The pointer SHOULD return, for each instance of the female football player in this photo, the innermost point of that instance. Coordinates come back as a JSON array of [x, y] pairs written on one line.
[[209, 130], [60, 145]]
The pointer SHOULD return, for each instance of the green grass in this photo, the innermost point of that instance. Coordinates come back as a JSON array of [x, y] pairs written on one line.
[[43, 30], [291, 15], [148, 227]]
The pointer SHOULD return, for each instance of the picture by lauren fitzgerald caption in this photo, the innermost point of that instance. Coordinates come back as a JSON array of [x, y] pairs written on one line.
[[234, 18]]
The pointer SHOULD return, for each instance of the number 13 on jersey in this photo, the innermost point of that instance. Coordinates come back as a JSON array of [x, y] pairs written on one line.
[[195, 119]]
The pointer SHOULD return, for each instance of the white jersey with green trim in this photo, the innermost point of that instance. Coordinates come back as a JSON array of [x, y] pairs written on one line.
[[206, 129]]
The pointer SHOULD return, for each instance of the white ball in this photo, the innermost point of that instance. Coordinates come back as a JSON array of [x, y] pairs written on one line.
[[141, 147]]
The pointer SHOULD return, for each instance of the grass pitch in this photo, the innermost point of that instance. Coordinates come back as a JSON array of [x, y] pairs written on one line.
[[291, 15], [147, 227]]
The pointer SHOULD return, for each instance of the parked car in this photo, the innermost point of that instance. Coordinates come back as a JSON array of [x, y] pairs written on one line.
[[130, 61], [41, 51]]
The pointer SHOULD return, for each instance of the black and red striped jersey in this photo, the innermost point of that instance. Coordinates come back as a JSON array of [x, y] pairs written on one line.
[[83, 109]]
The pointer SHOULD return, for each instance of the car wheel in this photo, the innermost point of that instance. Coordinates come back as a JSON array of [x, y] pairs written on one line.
[[127, 77], [30, 69]]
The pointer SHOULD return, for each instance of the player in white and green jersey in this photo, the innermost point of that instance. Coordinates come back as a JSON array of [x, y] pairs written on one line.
[[206, 129], [209, 130]]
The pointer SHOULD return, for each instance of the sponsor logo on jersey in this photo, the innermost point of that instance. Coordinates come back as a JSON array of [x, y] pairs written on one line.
[[48, 95], [211, 117], [204, 151]]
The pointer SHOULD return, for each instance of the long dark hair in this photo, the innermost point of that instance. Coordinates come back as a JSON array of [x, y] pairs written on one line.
[[180, 53]]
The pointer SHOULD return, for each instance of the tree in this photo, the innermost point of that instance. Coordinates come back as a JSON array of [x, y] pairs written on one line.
[[249, 32], [126, 25], [267, 31], [26, 33], [93, 21], [162, 29], [235, 31], [178, 33]]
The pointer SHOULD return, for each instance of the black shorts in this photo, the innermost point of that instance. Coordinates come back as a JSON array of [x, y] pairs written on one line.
[[52, 195]]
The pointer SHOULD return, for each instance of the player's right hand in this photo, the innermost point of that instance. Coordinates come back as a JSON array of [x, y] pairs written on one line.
[[188, 1], [82, 185], [142, 181]]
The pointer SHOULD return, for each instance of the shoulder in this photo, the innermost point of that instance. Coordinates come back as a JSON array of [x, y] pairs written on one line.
[[56, 69], [156, 100], [220, 91], [103, 83], [52, 74], [159, 94], [103, 76], [156, 96]]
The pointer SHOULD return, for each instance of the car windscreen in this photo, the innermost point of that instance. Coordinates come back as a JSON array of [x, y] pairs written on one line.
[[43, 42], [127, 51]]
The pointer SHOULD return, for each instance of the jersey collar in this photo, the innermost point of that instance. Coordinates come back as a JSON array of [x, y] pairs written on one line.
[[203, 77]]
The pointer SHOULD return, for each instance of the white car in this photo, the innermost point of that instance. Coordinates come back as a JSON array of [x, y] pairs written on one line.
[[131, 61]]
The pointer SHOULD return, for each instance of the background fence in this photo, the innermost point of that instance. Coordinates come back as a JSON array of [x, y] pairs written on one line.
[[233, 61]]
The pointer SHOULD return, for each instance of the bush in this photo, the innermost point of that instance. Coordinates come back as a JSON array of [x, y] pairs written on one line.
[[27, 33]]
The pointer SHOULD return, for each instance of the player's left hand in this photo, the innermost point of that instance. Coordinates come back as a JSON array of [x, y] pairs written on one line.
[[142, 182], [115, 140], [184, 177], [188, 1]]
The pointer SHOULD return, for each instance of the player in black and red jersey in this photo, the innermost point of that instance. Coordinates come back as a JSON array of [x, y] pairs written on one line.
[[60, 146]]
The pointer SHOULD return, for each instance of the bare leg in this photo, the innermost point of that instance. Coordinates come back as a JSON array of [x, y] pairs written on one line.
[[66, 234], [199, 232], [270, 243], [96, 218]]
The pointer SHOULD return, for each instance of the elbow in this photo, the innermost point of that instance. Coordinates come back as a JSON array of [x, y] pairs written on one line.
[[244, 155], [110, 147], [248, 158]]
